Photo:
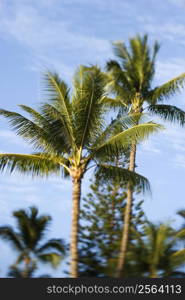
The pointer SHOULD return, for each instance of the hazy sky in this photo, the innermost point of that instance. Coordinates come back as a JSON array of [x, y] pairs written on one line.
[[60, 35]]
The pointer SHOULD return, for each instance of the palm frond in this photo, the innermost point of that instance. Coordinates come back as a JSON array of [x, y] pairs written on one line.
[[121, 51], [114, 103], [57, 92], [168, 89], [29, 163], [178, 258], [116, 126], [168, 112], [53, 244], [88, 108], [106, 172], [7, 233], [52, 258], [122, 140], [43, 134]]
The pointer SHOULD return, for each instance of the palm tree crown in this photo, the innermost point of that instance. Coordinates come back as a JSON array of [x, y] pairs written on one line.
[[131, 78], [158, 253], [27, 240]]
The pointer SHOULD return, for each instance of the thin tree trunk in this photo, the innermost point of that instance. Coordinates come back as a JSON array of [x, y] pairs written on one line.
[[27, 262], [127, 217], [75, 227]]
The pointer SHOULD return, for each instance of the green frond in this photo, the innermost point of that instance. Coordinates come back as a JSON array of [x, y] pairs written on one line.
[[7, 233], [88, 108], [57, 127], [29, 163], [181, 213], [116, 126], [52, 258], [121, 51], [168, 89], [122, 140], [53, 244], [37, 117], [114, 103], [178, 258], [57, 92], [180, 234], [106, 172], [168, 112], [44, 136], [113, 64]]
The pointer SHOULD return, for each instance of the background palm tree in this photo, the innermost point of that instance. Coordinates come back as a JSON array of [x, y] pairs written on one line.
[[131, 80], [71, 135], [27, 241], [159, 252]]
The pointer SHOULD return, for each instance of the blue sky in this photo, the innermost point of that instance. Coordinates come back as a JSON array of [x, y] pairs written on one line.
[[60, 35]]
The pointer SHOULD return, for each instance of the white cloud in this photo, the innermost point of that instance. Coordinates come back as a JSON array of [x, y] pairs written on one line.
[[44, 36], [9, 139], [150, 146], [10, 136], [174, 142], [178, 3], [166, 70], [179, 160], [169, 31]]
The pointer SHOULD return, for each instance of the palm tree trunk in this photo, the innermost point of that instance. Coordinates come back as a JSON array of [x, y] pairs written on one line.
[[75, 227], [27, 262], [127, 217]]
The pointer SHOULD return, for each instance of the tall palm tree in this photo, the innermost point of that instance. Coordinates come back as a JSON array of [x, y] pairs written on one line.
[[27, 241], [131, 80], [158, 253], [71, 135]]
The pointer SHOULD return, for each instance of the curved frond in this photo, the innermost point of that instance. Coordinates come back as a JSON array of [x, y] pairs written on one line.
[[105, 172], [43, 134], [168, 89], [30, 163], [122, 140], [168, 112], [178, 258], [52, 258], [114, 103], [53, 244], [7, 233]]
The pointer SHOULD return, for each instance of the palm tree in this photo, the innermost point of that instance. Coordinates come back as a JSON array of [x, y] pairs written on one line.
[[71, 134], [131, 78], [157, 253], [27, 241]]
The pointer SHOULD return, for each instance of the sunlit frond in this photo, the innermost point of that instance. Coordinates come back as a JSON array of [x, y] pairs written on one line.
[[122, 140], [31, 164], [168, 89], [88, 108], [52, 258], [57, 93]]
